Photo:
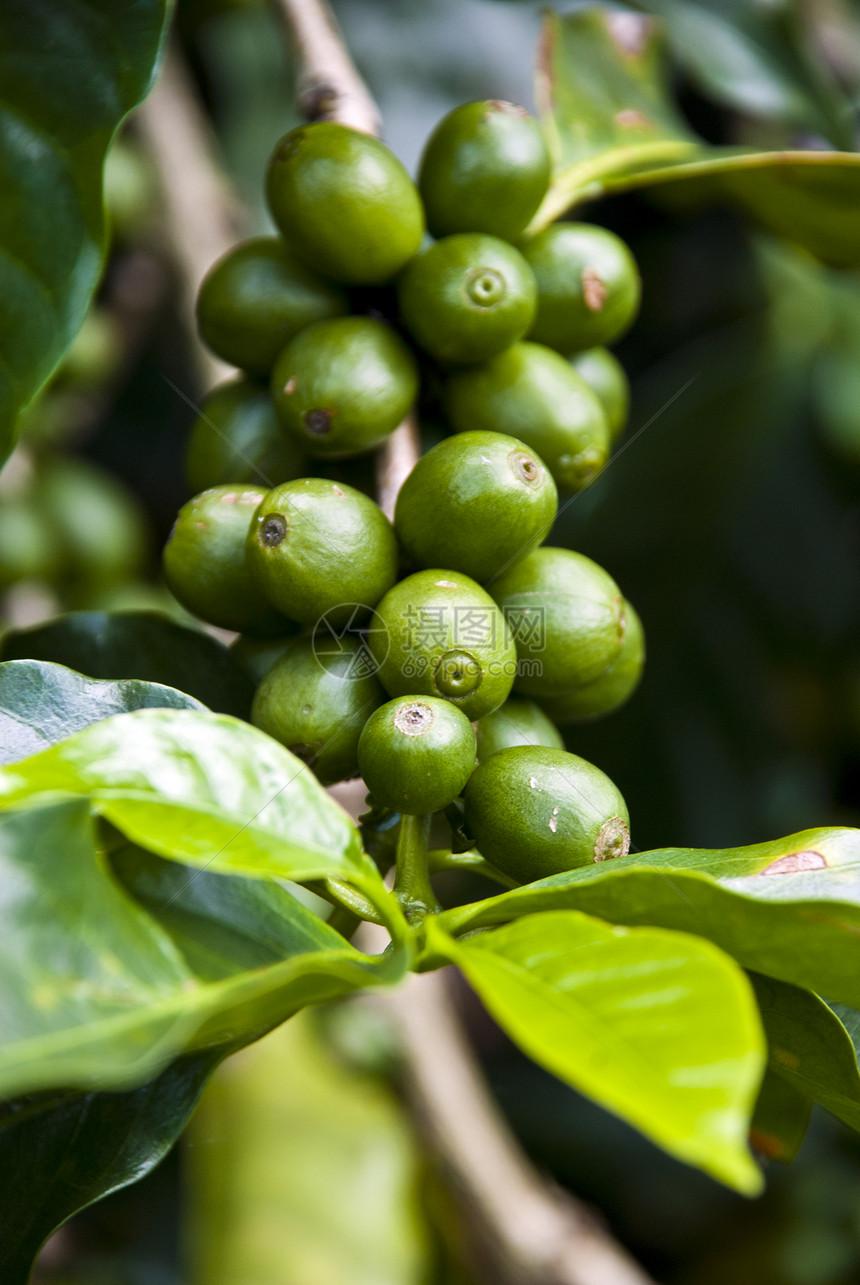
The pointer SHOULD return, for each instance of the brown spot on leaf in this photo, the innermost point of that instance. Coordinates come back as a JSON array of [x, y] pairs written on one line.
[[766, 1145], [783, 1056], [795, 861], [593, 289], [631, 118]]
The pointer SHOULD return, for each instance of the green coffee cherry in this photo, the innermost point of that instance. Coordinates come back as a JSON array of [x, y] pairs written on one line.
[[30, 548], [605, 376], [316, 707], [256, 298], [475, 502], [318, 547], [342, 386], [416, 753], [535, 812], [344, 203], [531, 393], [440, 634], [610, 690], [258, 655], [204, 561], [467, 297], [485, 168], [588, 286], [237, 437], [567, 616], [99, 533], [517, 722]]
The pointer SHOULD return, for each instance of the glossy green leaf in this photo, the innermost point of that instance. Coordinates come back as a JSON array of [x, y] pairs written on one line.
[[201, 788], [300, 1169], [758, 59], [139, 644], [789, 908], [61, 1152], [812, 1046], [69, 70], [95, 993], [41, 703], [780, 1119], [608, 116], [659, 1027]]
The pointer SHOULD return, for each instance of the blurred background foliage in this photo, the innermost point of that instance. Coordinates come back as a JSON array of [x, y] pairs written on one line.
[[731, 518]]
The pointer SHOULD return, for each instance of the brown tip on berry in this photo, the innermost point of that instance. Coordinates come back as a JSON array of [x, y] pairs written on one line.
[[318, 422], [613, 840]]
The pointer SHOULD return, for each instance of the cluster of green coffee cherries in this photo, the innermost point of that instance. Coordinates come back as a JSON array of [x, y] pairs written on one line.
[[433, 655]]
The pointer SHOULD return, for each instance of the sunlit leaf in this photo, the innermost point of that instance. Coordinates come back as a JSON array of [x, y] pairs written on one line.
[[789, 908], [138, 644], [659, 1027], [95, 993], [605, 106], [41, 703], [201, 788]]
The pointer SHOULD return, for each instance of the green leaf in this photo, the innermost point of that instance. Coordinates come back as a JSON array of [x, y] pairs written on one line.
[[95, 994], [139, 644], [61, 1153], [611, 125], [41, 703], [70, 71], [278, 1173], [659, 1027], [201, 788], [780, 1119], [811, 1046], [758, 59], [789, 908]]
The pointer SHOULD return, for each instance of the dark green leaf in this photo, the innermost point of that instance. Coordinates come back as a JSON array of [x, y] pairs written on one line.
[[810, 1046], [659, 1027], [41, 703], [94, 993], [204, 789], [139, 644], [61, 1153], [759, 59], [611, 126], [789, 908], [780, 1119], [69, 71]]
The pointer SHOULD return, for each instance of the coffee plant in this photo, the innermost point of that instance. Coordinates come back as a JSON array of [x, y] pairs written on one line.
[[164, 814]]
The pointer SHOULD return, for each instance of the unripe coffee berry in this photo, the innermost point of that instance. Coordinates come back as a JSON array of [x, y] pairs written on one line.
[[588, 286], [416, 753], [467, 297], [344, 202], [531, 393], [605, 376], [475, 502], [320, 548], [485, 168], [205, 566], [316, 705], [342, 386], [237, 437], [440, 634], [567, 615], [256, 298], [611, 689], [517, 722], [535, 812]]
